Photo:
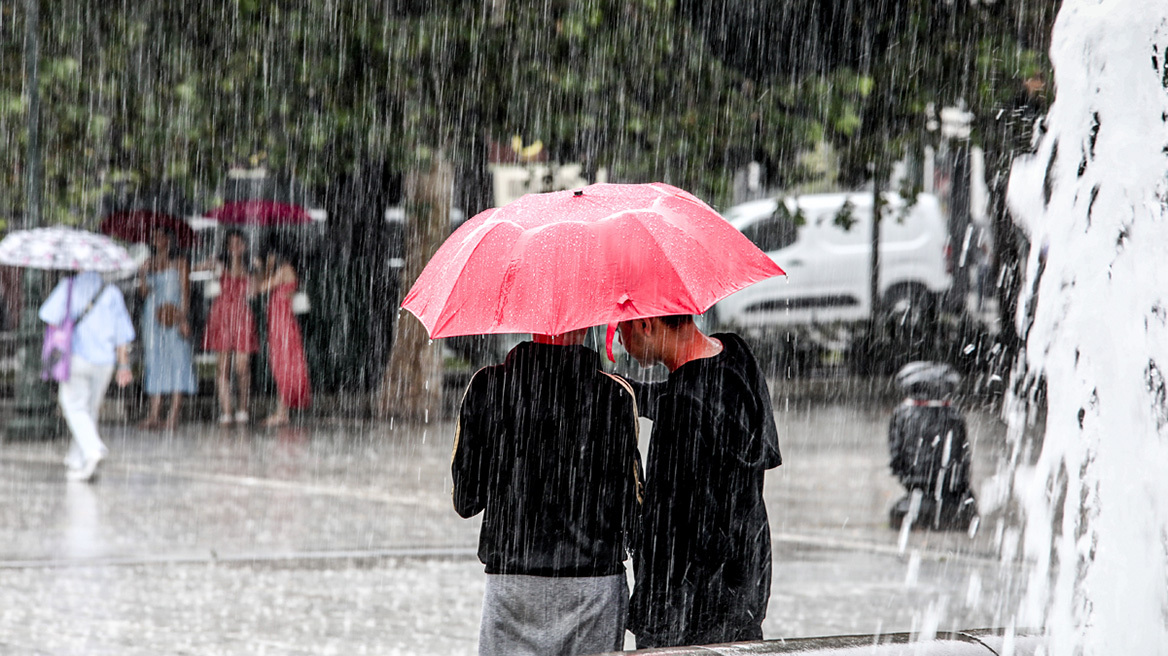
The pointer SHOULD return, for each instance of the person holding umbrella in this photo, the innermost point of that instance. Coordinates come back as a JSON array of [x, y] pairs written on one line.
[[101, 341], [231, 326], [94, 317], [546, 448], [628, 256], [285, 344], [703, 563]]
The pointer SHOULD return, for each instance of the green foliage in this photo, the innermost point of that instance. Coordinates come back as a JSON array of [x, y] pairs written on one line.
[[844, 217], [157, 89], [797, 218], [867, 72]]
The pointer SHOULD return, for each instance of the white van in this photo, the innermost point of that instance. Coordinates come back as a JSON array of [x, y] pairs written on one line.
[[824, 242]]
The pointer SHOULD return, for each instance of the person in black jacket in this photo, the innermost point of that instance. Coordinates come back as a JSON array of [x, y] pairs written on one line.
[[546, 449], [703, 559]]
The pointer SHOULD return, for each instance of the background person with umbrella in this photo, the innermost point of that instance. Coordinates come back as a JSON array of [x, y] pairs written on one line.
[[164, 281], [285, 344], [231, 326], [100, 341]]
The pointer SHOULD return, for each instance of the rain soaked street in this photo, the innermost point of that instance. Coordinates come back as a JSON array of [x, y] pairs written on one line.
[[338, 537]]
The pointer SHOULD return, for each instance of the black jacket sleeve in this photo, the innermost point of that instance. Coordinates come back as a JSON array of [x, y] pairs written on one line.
[[470, 463], [665, 565]]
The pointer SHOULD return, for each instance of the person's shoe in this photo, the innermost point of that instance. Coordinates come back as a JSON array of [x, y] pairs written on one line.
[[86, 472], [225, 419], [275, 422], [242, 417]]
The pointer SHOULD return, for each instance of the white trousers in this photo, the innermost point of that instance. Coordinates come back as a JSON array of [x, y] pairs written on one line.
[[80, 398]]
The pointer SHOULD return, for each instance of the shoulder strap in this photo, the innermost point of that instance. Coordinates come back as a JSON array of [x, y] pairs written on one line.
[[69, 298], [626, 386], [92, 302], [638, 483]]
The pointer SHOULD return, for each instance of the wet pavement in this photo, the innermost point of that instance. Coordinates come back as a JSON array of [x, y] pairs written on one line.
[[338, 537]]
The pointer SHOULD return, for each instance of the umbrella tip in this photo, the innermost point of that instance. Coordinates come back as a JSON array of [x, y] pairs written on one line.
[[578, 192]]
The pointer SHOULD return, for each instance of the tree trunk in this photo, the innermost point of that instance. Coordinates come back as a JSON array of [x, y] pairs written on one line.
[[874, 262], [1006, 269], [959, 225], [1010, 134], [412, 386], [32, 164], [868, 350]]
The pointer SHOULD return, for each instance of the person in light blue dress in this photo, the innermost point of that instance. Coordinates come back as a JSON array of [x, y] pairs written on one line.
[[166, 334]]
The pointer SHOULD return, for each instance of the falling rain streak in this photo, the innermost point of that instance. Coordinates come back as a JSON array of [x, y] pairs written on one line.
[[907, 164]]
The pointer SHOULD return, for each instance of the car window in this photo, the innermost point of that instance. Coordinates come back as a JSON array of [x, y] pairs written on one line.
[[773, 233]]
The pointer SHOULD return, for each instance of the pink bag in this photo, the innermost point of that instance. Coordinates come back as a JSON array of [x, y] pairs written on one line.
[[58, 346]]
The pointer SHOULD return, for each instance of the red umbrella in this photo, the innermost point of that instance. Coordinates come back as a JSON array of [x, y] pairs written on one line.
[[552, 263], [136, 226], [260, 212]]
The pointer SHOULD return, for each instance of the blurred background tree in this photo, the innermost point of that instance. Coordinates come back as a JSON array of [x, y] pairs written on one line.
[[876, 74]]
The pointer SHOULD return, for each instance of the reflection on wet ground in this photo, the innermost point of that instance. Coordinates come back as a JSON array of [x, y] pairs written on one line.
[[339, 538]]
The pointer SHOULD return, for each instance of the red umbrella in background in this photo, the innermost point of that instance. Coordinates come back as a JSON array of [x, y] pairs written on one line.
[[260, 212], [136, 226], [555, 262]]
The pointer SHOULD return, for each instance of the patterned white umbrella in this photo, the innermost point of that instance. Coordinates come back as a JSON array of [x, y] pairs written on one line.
[[63, 248]]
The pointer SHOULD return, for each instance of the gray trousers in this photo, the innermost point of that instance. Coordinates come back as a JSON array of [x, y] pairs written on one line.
[[545, 616]]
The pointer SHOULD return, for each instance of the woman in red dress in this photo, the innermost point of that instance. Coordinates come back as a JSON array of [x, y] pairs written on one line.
[[231, 328], [285, 346]]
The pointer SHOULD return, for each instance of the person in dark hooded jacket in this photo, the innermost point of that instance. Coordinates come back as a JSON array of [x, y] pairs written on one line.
[[546, 449], [703, 559]]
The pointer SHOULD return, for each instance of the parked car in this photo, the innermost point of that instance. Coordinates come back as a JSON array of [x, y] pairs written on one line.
[[823, 242]]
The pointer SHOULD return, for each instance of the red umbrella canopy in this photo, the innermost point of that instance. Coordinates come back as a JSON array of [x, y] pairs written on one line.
[[555, 262], [136, 226], [260, 212]]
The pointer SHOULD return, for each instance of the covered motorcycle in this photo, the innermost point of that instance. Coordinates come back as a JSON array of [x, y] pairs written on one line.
[[929, 450]]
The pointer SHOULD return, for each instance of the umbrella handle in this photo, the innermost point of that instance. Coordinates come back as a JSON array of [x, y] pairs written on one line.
[[608, 341]]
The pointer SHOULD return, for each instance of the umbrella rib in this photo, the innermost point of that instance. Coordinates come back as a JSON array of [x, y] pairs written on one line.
[[701, 243], [660, 247]]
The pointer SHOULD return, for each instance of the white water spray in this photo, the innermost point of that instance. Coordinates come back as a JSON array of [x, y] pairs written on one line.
[[1094, 197]]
